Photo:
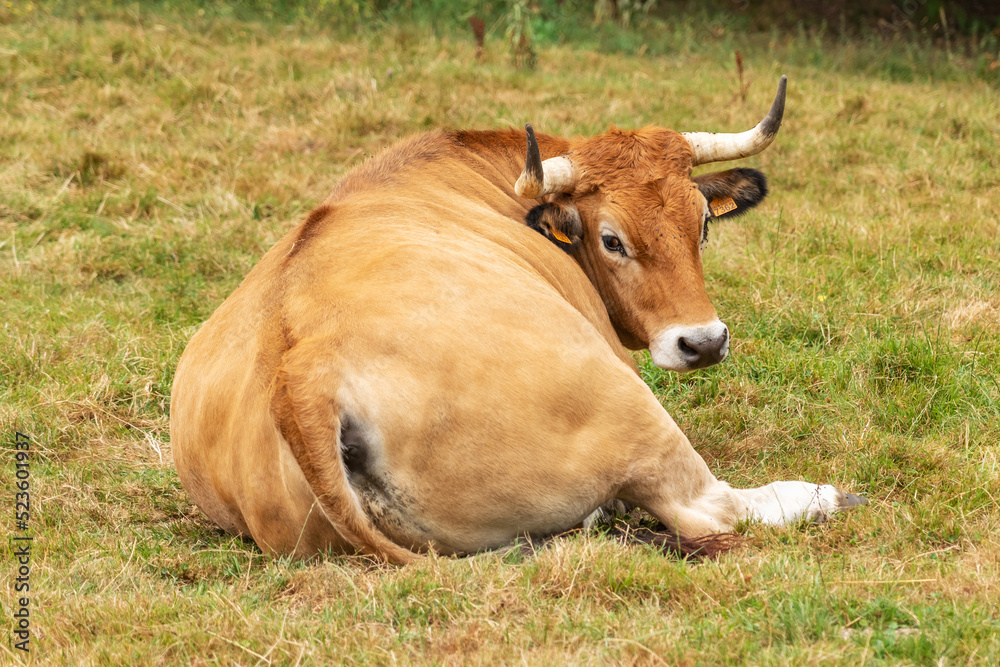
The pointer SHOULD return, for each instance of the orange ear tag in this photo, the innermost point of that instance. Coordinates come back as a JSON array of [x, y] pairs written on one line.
[[562, 238], [720, 206]]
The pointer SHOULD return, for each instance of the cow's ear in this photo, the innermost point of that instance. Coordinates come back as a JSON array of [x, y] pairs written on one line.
[[558, 222], [732, 192]]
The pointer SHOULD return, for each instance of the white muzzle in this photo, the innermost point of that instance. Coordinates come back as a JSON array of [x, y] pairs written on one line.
[[686, 348]]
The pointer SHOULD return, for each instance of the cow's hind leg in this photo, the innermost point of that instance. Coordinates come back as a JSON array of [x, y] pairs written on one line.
[[676, 486], [781, 503]]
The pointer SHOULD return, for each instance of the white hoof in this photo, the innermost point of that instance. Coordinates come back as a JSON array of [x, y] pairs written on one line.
[[605, 514], [781, 503]]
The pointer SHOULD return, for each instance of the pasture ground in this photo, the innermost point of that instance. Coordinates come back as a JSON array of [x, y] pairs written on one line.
[[148, 160]]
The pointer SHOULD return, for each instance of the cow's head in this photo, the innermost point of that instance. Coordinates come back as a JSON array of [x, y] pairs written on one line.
[[625, 206]]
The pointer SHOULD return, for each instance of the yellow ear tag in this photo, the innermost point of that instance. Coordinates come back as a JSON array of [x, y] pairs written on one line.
[[562, 238], [720, 206]]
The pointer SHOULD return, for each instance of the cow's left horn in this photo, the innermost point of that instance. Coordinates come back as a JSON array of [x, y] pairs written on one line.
[[557, 174], [711, 147]]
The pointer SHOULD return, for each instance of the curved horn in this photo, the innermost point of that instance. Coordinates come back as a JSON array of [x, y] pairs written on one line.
[[711, 147], [557, 174]]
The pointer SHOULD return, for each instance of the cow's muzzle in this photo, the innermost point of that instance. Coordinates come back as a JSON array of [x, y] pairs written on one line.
[[686, 348]]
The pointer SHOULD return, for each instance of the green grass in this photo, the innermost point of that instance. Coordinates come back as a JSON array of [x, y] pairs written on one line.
[[148, 160]]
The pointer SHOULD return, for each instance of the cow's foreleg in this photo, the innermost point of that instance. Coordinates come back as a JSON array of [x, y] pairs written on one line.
[[606, 514]]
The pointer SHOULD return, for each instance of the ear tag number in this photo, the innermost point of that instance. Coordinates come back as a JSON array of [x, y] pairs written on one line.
[[720, 206], [562, 238]]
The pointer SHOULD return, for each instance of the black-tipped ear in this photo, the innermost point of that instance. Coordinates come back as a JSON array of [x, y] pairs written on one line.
[[558, 223], [732, 192]]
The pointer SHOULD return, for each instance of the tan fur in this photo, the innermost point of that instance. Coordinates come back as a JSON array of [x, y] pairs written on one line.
[[642, 179], [481, 368]]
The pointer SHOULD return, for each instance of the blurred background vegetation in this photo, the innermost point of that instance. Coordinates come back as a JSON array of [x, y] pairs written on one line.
[[960, 28]]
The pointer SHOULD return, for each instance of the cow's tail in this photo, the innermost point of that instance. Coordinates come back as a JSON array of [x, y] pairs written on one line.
[[305, 408]]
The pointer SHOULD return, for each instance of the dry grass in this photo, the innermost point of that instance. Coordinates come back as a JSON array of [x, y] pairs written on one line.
[[146, 163]]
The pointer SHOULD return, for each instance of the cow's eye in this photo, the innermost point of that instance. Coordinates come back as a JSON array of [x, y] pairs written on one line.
[[612, 244]]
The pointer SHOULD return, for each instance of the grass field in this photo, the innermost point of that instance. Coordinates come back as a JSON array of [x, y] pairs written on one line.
[[148, 160]]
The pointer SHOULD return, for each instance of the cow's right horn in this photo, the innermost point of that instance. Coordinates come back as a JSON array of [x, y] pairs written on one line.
[[557, 174], [711, 147]]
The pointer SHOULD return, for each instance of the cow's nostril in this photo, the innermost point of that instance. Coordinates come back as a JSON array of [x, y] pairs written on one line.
[[686, 349]]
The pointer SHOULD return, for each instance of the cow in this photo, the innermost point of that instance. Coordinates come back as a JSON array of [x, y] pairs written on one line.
[[437, 358]]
